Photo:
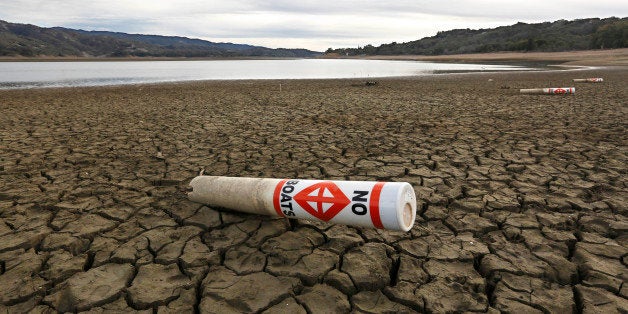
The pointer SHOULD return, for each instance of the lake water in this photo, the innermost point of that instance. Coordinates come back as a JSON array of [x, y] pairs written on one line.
[[65, 74]]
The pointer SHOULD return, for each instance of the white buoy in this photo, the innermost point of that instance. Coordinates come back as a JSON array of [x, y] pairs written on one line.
[[549, 91], [383, 205], [589, 80]]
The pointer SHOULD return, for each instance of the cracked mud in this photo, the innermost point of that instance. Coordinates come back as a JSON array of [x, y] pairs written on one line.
[[522, 198]]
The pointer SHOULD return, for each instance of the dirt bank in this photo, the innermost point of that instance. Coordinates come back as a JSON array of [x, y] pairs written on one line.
[[585, 57]]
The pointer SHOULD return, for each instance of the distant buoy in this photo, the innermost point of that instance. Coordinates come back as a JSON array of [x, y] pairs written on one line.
[[549, 91], [589, 80]]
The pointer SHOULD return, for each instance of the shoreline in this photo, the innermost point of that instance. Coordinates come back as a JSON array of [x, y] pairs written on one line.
[[355, 79], [360, 80], [548, 62], [580, 57], [548, 69]]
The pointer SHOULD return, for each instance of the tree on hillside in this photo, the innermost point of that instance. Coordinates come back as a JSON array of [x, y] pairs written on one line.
[[613, 35], [560, 35]]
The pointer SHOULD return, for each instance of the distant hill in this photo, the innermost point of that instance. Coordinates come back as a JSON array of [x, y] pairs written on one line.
[[31, 41], [562, 35]]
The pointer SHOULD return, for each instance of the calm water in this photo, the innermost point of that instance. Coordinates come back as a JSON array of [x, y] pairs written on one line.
[[62, 74]]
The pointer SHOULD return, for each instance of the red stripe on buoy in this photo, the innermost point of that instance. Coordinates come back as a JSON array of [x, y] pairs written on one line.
[[276, 196], [374, 205]]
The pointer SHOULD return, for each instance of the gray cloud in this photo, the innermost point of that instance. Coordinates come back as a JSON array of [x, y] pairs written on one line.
[[530, 9]]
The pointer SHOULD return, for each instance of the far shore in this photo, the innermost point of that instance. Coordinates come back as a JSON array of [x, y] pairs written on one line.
[[100, 59], [583, 57], [608, 57]]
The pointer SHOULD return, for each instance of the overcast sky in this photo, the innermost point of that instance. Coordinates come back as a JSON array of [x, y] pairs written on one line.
[[315, 25]]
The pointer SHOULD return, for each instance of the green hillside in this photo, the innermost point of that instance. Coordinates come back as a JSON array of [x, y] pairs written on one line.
[[561, 35], [33, 41]]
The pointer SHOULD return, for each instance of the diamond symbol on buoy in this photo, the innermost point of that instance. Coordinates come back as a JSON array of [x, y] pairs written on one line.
[[322, 200], [560, 91]]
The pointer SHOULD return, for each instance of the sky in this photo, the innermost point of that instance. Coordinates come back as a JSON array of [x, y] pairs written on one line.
[[315, 25]]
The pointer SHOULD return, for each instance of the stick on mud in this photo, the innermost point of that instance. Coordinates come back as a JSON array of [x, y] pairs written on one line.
[[383, 205]]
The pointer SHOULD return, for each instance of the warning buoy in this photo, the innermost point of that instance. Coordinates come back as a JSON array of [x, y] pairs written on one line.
[[549, 91], [383, 205], [589, 80]]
